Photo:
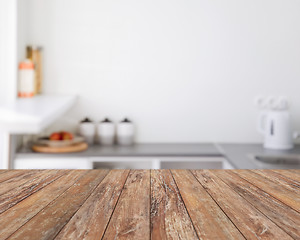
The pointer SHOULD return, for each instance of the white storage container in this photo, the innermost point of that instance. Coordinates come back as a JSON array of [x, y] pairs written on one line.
[[106, 132], [87, 129], [125, 132]]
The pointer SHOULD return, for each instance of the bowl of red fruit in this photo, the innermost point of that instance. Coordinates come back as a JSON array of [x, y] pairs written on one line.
[[60, 139]]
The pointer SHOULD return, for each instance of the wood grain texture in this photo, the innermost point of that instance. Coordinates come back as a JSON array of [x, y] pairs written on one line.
[[8, 174], [209, 220], [278, 189], [78, 147], [251, 222], [18, 180], [169, 218], [291, 184], [297, 171], [131, 218], [13, 196], [19, 214], [144, 204], [49, 221], [284, 217], [289, 174], [92, 218]]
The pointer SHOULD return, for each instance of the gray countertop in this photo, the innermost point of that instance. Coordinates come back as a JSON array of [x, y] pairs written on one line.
[[138, 150], [241, 156]]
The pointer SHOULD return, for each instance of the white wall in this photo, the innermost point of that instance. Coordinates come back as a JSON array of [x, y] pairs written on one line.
[[183, 70], [8, 51], [8, 66]]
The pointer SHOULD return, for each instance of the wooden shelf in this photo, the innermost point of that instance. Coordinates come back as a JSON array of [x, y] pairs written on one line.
[[32, 115]]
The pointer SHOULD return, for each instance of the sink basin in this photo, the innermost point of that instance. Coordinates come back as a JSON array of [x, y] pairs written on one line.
[[285, 159]]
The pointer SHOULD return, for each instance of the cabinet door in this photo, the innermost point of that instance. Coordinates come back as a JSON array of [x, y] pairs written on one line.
[[52, 163], [122, 162], [191, 162]]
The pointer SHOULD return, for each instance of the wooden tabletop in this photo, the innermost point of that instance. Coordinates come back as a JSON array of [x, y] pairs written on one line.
[[149, 204]]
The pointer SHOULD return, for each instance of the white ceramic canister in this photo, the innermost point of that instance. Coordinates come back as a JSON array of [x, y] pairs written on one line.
[[106, 132], [125, 132], [87, 129]]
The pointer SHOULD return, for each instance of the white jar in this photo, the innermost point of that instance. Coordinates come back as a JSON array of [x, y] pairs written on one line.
[[125, 132], [87, 130], [106, 132], [26, 84]]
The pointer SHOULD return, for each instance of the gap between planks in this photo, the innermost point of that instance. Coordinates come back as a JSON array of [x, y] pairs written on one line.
[[204, 211], [50, 220], [83, 226], [185, 205], [115, 205], [76, 175], [286, 223], [248, 219]]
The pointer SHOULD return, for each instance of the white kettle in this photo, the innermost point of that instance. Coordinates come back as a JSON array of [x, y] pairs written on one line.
[[276, 127]]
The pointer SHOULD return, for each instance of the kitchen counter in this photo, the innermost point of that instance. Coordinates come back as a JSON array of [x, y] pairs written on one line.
[[138, 150], [241, 156], [149, 204]]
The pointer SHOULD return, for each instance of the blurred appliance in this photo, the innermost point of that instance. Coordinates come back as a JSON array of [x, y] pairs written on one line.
[[275, 125]]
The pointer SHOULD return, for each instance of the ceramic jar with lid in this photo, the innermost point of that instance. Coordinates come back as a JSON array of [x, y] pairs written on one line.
[[87, 129], [125, 132], [106, 132]]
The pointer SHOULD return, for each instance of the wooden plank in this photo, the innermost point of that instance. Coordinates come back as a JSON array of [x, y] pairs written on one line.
[[19, 214], [77, 147], [289, 174], [12, 197], [3, 171], [169, 218], [209, 220], [11, 174], [252, 223], [92, 218], [291, 184], [297, 171], [279, 190], [49, 221], [131, 218], [16, 181], [284, 216]]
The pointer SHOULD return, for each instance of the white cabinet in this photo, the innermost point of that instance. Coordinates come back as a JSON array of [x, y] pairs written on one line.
[[31, 115], [191, 162], [52, 163], [158, 162], [121, 163]]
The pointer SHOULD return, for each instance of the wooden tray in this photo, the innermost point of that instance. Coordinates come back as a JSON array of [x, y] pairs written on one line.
[[68, 149], [60, 143]]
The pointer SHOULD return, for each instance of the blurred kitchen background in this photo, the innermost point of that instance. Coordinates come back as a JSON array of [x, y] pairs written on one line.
[[183, 71]]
